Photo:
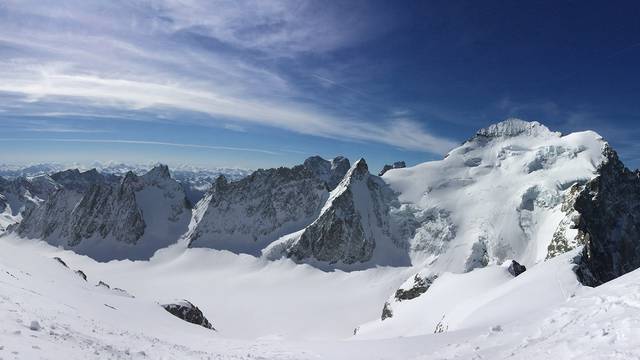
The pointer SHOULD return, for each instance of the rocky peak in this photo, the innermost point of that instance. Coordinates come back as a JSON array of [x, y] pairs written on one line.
[[245, 215], [159, 171], [354, 221], [73, 179], [359, 171], [220, 183], [396, 165], [331, 172], [111, 220]]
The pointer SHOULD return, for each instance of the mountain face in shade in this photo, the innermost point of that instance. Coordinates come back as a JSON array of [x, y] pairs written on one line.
[[354, 226], [19, 193], [246, 215], [128, 219], [609, 222]]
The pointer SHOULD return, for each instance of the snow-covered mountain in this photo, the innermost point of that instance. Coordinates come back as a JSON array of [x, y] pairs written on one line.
[[496, 197], [354, 226], [195, 180], [130, 218], [16, 194], [551, 195], [246, 215]]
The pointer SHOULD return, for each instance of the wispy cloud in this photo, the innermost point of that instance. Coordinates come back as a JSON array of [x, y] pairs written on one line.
[[143, 142], [214, 58], [403, 133]]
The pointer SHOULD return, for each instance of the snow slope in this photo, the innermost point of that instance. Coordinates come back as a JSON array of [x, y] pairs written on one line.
[[498, 196], [255, 317], [481, 298]]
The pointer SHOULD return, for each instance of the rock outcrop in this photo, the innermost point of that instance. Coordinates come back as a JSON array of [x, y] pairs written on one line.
[[516, 268], [396, 165], [331, 172], [74, 179], [409, 290], [188, 312], [609, 222], [18, 194]]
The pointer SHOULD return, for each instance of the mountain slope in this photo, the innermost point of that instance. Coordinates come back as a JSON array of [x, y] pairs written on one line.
[[497, 197], [78, 320], [354, 226], [19, 193], [128, 219], [246, 215]]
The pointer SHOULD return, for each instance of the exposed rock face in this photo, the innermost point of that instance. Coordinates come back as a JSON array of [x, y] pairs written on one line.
[[479, 256], [331, 172], [61, 261], [104, 210], [246, 215], [609, 208], [420, 286], [73, 179], [188, 312], [409, 290], [82, 274], [566, 237], [18, 194], [396, 165], [96, 219], [353, 222], [386, 311], [516, 269]]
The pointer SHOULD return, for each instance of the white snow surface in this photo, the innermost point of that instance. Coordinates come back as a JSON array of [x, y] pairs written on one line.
[[499, 193], [279, 310]]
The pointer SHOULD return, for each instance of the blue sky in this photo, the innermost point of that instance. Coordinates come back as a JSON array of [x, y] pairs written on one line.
[[266, 83]]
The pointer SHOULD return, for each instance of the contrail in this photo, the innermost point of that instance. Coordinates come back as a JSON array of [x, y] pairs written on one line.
[[339, 85]]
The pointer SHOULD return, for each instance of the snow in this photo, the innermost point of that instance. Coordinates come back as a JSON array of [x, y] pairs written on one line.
[[502, 190], [481, 298], [279, 310]]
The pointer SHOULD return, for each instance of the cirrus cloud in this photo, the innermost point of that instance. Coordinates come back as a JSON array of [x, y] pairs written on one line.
[[215, 58]]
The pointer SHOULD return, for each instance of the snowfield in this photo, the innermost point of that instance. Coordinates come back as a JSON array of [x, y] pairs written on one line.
[[279, 310]]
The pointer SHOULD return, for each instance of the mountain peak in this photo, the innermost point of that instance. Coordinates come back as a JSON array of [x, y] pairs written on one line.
[[359, 170], [361, 166], [514, 127], [331, 172], [159, 171]]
